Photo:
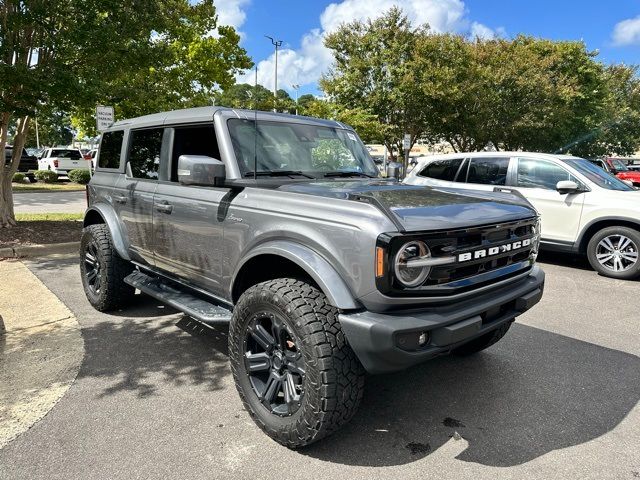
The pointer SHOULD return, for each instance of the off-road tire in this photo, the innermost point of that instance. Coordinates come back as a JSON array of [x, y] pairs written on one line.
[[482, 342], [334, 380], [630, 233], [113, 293]]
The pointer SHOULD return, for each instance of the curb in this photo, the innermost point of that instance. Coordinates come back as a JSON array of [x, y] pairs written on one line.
[[39, 250]]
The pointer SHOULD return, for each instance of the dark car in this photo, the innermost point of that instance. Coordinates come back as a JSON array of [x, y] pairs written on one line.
[[28, 163]]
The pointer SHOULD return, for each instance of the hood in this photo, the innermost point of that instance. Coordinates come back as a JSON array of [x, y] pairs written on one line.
[[630, 175], [416, 207]]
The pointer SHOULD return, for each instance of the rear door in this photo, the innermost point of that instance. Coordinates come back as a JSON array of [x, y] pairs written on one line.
[[133, 193], [536, 178], [188, 220]]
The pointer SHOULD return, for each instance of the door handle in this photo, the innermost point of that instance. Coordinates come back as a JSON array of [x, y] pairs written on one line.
[[120, 198], [164, 207]]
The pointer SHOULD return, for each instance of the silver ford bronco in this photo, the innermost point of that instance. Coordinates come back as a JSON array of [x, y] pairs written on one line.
[[280, 227]]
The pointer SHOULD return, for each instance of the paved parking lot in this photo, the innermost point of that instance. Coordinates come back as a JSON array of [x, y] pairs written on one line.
[[50, 202], [557, 398]]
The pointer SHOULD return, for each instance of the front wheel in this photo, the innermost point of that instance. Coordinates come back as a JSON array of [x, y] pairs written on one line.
[[613, 252], [295, 373]]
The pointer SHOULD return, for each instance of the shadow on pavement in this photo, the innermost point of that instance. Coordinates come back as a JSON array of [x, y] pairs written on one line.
[[139, 355], [532, 393], [566, 260]]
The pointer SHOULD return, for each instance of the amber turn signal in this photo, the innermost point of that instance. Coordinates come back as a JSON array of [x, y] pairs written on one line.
[[379, 262]]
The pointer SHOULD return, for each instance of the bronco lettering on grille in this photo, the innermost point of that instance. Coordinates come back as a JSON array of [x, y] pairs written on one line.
[[491, 251]]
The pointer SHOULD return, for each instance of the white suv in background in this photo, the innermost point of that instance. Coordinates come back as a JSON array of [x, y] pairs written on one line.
[[584, 209]]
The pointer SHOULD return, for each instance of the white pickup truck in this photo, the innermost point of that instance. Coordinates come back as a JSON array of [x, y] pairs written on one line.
[[63, 160]]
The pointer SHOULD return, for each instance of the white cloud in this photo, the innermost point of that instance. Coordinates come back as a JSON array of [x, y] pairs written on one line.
[[231, 12], [305, 65], [627, 32]]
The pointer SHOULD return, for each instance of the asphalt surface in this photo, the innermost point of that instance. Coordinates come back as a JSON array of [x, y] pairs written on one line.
[[49, 202], [556, 398]]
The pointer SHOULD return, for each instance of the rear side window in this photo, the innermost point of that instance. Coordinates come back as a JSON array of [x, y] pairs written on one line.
[[488, 171], [144, 152], [110, 149], [442, 169]]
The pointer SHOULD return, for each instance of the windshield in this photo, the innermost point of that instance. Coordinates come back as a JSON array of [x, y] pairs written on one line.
[[619, 165], [597, 175], [298, 149], [72, 154]]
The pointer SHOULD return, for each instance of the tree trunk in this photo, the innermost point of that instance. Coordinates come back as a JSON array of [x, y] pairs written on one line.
[[7, 216]]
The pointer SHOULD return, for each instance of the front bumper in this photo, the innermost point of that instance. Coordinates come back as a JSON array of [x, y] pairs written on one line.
[[376, 337]]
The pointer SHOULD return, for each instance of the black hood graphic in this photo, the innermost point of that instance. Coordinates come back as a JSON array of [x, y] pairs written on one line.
[[415, 208]]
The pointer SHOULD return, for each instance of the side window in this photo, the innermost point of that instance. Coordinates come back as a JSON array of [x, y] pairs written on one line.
[[144, 152], [194, 140], [110, 148], [442, 169], [488, 171], [535, 173]]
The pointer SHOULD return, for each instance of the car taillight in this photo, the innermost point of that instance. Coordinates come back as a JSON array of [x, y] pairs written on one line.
[[87, 157], [55, 163]]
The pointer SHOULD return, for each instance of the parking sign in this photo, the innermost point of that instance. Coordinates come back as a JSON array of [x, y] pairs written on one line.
[[104, 117]]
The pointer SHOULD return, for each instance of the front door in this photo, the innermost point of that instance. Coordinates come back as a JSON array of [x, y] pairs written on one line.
[[188, 220], [133, 193], [536, 178]]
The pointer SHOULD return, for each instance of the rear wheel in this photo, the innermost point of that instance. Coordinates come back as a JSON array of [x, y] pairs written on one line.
[[295, 373], [613, 252], [482, 342], [103, 271], [32, 178]]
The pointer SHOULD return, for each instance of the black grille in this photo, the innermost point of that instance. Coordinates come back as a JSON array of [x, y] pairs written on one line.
[[465, 275]]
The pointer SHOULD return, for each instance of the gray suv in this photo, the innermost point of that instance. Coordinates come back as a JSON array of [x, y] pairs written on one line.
[[279, 227]]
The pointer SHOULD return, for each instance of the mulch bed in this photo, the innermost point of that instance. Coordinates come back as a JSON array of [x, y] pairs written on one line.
[[40, 232]]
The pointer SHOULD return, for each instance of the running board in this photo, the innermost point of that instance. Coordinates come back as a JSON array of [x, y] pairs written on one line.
[[180, 299]]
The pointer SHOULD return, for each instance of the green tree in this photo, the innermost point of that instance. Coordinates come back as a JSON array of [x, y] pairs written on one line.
[[372, 72], [141, 57], [303, 103], [243, 95], [364, 123], [54, 128]]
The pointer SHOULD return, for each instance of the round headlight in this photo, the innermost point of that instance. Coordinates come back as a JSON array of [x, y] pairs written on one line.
[[407, 275]]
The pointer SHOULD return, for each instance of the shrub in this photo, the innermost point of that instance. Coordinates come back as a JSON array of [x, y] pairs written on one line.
[[80, 176], [46, 176], [18, 178]]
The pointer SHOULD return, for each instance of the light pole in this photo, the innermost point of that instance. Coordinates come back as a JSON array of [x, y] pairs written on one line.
[[296, 87], [277, 44]]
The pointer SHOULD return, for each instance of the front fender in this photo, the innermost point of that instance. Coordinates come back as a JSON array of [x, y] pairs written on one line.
[[325, 276], [108, 215]]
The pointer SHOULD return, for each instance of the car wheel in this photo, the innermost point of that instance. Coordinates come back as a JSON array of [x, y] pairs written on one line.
[[32, 179], [613, 252], [482, 342], [103, 271], [295, 373]]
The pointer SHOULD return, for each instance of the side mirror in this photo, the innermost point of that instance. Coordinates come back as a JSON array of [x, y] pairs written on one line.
[[394, 170], [201, 170], [567, 186]]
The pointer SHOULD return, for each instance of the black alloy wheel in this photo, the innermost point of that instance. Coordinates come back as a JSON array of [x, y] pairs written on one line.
[[274, 364]]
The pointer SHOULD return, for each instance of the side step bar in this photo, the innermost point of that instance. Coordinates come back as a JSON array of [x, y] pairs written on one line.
[[180, 299]]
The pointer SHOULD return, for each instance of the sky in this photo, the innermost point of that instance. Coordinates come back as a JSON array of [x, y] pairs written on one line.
[[611, 27]]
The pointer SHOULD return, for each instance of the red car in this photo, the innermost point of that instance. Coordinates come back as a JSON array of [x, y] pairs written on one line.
[[618, 168]]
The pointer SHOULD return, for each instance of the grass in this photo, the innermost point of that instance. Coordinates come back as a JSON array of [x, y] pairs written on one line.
[[51, 217], [47, 187]]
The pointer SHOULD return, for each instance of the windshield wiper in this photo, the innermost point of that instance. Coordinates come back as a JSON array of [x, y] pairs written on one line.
[[278, 173], [348, 174]]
